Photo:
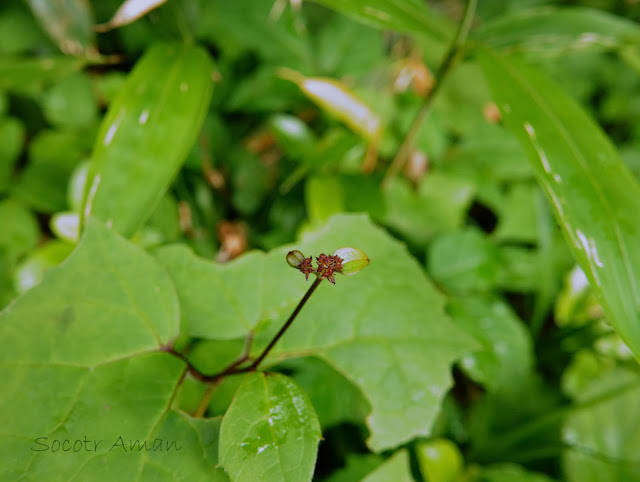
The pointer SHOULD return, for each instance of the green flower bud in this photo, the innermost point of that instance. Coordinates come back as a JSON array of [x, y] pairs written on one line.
[[353, 260], [298, 261], [294, 258]]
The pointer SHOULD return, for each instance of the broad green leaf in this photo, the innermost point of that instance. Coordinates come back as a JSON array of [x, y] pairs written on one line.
[[334, 398], [401, 15], [147, 133], [71, 103], [28, 74], [554, 30], [506, 357], [600, 431], [438, 205], [68, 22], [464, 261], [395, 468], [270, 431], [225, 303], [518, 220], [240, 26], [19, 231], [19, 32], [339, 48], [197, 457], [508, 472], [595, 198], [401, 367], [31, 271], [323, 198], [12, 133], [86, 344], [489, 152], [53, 156], [91, 301], [356, 467]]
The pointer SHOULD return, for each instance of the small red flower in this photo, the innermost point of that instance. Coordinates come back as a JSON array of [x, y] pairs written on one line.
[[327, 265], [306, 267]]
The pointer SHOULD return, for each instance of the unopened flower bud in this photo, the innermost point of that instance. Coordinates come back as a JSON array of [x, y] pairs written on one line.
[[297, 260], [294, 258]]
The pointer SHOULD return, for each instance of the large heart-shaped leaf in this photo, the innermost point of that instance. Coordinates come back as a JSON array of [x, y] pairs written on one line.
[[384, 329], [82, 350]]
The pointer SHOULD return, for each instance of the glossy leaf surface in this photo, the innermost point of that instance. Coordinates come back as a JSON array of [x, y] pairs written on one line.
[[555, 30], [270, 432], [147, 133], [595, 198]]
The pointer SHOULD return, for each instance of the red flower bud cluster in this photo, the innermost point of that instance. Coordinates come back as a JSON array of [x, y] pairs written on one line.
[[327, 265]]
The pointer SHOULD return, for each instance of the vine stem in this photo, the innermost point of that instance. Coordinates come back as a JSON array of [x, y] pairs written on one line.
[[287, 324], [234, 368], [445, 67]]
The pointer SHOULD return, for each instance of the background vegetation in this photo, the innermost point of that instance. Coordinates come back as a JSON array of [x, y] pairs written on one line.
[[155, 168]]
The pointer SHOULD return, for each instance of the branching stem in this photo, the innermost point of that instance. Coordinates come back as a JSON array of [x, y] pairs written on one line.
[[447, 63], [235, 367]]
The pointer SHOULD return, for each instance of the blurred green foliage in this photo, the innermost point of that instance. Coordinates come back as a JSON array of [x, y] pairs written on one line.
[[214, 150]]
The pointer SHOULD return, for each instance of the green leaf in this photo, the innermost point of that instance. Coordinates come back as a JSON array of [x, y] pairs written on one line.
[[401, 15], [53, 155], [147, 133], [270, 431], [31, 271], [552, 30], [602, 443], [395, 468], [401, 367], [506, 357], [12, 133], [595, 198], [237, 27], [438, 205], [464, 261], [71, 103], [219, 302], [28, 74], [334, 398], [324, 197], [68, 22], [85, 343], [20, 231], [508, 472]]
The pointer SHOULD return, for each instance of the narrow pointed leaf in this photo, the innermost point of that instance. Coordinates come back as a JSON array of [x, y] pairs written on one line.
[[595, 198], [147, 133], [556, 30], [68, 22], [130, 11], [400, 15], [270, 432]]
